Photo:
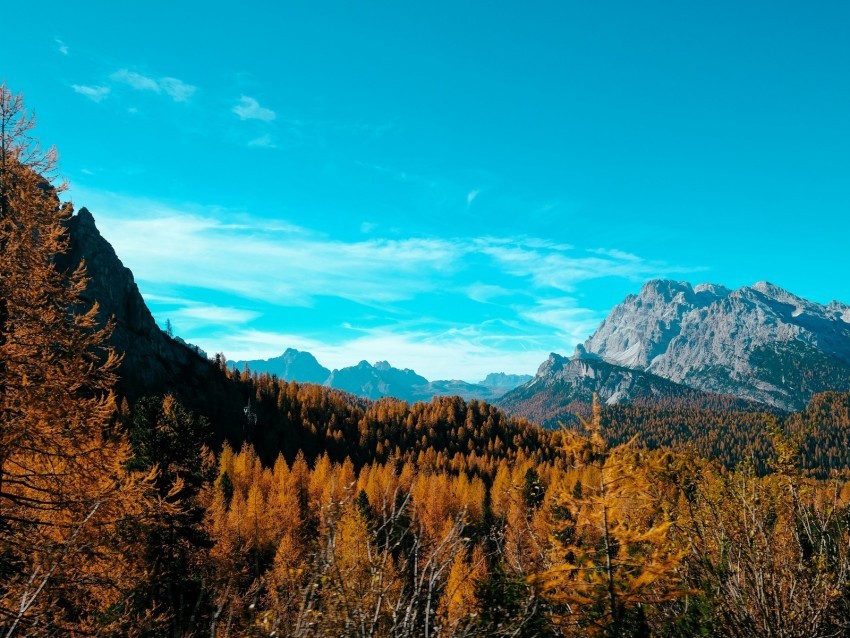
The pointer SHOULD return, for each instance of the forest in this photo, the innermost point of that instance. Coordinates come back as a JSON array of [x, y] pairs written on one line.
[[314, 513]]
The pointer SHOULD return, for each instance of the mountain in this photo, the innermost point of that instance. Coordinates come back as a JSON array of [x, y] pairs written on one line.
[[292, 365], [292, 418], [499, 381], [153, 363], [759, 342], [374, 382], [152, 360], [380, 380], [564, 386]]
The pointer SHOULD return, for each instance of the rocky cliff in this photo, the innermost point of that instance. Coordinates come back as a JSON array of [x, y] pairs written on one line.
[[759, 342], [153, 363]]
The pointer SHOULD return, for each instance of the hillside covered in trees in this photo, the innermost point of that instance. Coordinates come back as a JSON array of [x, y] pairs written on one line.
[[146, 491]]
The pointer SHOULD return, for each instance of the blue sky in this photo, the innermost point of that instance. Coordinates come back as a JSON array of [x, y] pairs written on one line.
[[458, 188]]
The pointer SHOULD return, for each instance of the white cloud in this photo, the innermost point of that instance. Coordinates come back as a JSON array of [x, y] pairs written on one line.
[[217, 314], [94, 93], [572, 322], [136, 80], [562, 267], [177, 90], [62, 47], [285, 264], [264, 141], [190, 315], [287, 267], [486, 293], [471, 195], [249, 109]]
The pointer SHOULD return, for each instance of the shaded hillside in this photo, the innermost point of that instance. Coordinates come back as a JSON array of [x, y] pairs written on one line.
[[153, 363], [824, 431], [294, 417]]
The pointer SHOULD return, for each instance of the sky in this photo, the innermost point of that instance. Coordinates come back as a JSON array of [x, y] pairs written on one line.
[[457, 188]]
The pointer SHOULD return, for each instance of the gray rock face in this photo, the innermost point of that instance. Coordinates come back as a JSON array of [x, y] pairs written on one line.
[[564, 386], [584, 377], [758, 342]]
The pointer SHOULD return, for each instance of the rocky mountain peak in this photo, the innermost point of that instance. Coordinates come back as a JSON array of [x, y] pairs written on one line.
[[665, 289], [736, 342]]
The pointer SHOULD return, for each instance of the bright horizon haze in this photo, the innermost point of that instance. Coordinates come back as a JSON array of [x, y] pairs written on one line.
[[455, 189]]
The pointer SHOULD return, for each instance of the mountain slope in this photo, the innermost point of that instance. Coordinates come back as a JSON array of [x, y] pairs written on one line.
[[153, 363], [501, 382], [152, 360], [758, 342], [563, 387]]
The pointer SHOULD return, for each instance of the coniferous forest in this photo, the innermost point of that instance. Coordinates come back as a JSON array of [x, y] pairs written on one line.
[[253, 506]]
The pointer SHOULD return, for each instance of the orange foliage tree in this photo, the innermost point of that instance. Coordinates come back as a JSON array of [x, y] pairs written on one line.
[[62, 481]]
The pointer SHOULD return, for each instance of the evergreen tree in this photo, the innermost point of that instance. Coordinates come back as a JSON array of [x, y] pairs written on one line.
[[170, 538]]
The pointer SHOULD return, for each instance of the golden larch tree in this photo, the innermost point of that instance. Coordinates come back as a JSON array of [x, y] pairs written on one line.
[[62, 482], [613, 557]]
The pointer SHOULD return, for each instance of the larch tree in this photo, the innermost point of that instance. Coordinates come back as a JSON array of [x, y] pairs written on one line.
[[613, 558], [62, 480]]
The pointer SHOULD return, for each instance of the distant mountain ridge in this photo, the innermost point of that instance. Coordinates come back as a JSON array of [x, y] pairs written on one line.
[[381, 379], [759, 343], [292, 365]]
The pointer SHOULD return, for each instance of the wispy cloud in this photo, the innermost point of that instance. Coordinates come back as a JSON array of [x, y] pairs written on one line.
[[564, 315], [563, 268], [61, 47], [249, 109], [174, 88], [167, 241], [471, 195], [263, 141], [136, 80], [94, 93], [190, 315], [472, 305]]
